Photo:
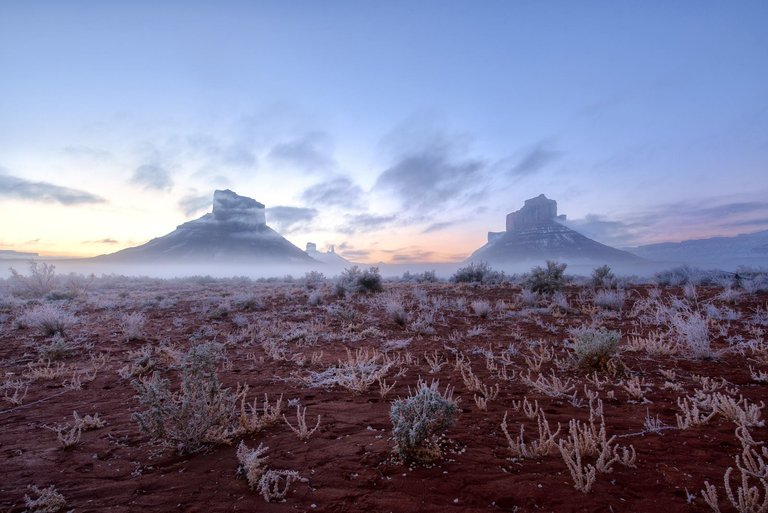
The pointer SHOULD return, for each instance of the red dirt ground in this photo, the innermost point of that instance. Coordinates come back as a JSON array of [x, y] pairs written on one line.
[[348, 462]]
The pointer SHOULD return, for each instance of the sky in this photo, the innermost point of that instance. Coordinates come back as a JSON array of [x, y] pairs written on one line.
[[397, 131]]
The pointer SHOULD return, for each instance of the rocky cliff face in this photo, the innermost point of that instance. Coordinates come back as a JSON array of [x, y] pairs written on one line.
[[534, 233], [535, 211], [235, 231]]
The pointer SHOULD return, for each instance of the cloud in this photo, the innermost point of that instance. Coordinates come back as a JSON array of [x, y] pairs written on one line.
[[365, 223], [426, 181], [87, 151], [193, 203], [436, 227], [101, 241], [612, 233], [413, 255], [340, 191], [673, 222], [535, 159], [312, 152], [20, 188], [290, 219], [152, 176], [228, 154]]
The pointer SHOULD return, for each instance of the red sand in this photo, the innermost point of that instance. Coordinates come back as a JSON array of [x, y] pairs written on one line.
[[348, 462]]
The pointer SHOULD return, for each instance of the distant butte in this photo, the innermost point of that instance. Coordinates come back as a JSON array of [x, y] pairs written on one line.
[[535, 233], [236, 231]]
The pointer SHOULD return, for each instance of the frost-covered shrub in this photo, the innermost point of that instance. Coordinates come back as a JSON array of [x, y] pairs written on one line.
[[481, 307], [610, 299], [546, 280], [559, 300], [48, 319], [528, 297], [603, 277], [132, 325], [41, 280], [395, 310], [425, 277], [46, 500], [593, 348], [353, 279], [419, 419], [315, 298], [679, 276], [477, 272], [199, 413], [692, 334]]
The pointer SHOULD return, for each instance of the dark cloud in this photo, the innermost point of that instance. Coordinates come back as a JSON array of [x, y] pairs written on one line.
[[366, 223], [612, 233], [101, 241], [152, 176], [535, 159], [290, 219], [20, 188], [340, 192], [756, 223], [312, 151], [429, 180], [194, 203], [87, 151], [237, 154], [436, 227], [413, 255], [672, 221], [354, 254]]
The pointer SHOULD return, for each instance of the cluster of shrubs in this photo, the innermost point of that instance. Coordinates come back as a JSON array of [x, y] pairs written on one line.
[[356, 280], [478, 272]]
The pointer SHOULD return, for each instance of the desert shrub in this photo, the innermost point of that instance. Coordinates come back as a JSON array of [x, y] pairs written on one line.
[[419, 419], [425, 277], [528, 297], [477, 272], [679, 276], [353, 279], [603, 277], [315, 298], [481, 307], [41, 280], [593, 348], [199, 413], [610, 299], [559, 300], [46, 500], [313, 279], [49, 319], [58, 347], [546, 280], [395, 310], [133, 325], [752, 280], [692, 334]]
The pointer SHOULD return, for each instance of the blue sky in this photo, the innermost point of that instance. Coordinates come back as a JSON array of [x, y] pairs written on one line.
[[395, 130]]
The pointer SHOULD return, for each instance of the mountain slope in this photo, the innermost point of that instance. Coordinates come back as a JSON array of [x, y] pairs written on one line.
[[533, 234], [747, 249], [235, 231]]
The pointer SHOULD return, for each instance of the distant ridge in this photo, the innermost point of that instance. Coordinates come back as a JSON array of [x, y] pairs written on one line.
[[534, 233], [744, 249], [236, 231]]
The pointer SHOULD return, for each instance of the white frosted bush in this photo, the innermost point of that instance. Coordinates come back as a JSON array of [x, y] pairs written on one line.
[[693, 334], [133, 325], [593, 348], [419, 419], [49, 319], [610, 299]]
